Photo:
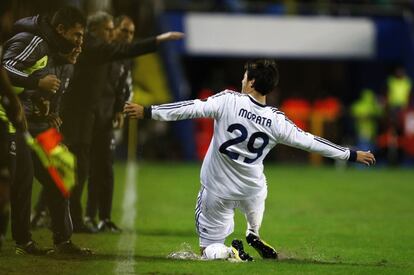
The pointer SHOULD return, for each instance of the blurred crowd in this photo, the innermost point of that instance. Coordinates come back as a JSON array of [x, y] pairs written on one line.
[[382, 121], [384, 124]]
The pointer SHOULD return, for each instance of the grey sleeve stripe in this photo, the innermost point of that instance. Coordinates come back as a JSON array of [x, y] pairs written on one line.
[[13, 70], [26, 52], [330, 144]]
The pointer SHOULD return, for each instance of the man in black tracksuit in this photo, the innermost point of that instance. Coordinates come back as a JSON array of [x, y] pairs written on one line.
[[119, 89], [80, 108], [43, 112], [34, 61], [101, 178]]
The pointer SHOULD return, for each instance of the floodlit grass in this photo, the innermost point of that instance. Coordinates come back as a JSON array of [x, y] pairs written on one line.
[[322, 221]]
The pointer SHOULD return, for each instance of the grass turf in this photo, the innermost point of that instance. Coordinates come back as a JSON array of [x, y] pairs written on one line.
[[323, 221]]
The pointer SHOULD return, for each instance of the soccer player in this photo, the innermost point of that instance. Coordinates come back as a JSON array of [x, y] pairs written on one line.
[[245, 129], [30, 58]]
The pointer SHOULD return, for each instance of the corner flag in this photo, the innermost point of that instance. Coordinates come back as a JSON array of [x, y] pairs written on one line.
[[55, 157]]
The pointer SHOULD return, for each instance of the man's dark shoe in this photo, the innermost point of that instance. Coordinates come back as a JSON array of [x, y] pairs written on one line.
[[31, 248], [238, 251], [91, 224], [69, 248], [84, 228], [108, 226], [264, 249]]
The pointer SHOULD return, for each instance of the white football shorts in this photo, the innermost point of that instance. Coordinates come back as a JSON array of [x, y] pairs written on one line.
[[214, 216]]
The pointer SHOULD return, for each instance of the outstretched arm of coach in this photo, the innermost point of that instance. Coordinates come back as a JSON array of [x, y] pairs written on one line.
[[100, 50]]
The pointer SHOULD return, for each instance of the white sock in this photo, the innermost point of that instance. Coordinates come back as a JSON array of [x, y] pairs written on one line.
[[217, 251]]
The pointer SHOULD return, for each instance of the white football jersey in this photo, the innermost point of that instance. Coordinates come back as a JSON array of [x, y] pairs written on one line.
[[244, 133]]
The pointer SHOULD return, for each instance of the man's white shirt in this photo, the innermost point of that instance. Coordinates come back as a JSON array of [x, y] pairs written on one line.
[[244, 133]]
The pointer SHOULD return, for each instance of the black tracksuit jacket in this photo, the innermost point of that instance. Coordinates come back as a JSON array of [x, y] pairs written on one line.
[[29, 50], [30, 55]]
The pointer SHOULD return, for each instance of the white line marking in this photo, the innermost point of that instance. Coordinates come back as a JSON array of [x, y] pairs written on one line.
[[126, 244]]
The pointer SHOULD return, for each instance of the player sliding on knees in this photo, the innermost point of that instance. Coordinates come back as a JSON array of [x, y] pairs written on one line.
[[245, 129]]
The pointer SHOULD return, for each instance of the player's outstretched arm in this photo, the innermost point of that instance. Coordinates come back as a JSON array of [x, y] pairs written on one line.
[[180, 110], [365, 157], [289, 134]]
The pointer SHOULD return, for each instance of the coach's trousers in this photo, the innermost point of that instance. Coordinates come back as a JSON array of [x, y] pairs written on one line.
[[101, 178], [81, 152], [24, 165]]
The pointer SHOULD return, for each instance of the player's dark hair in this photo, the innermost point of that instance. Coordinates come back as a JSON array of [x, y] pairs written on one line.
[[68, 16], [265, 74]]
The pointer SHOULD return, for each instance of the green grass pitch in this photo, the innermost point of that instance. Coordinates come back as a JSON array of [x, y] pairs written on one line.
[[323, 221]]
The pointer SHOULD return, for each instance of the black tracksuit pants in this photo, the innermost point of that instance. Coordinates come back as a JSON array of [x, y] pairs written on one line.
[[94, 163], [81, 152], [89, 135], [101, 177], [24, 165], [41, 204]]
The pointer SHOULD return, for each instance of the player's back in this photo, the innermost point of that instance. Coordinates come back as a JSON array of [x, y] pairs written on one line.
[[244, 133]]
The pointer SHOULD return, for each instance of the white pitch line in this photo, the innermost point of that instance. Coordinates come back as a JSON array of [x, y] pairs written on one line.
[[126, 244]]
